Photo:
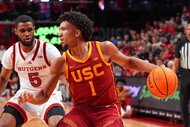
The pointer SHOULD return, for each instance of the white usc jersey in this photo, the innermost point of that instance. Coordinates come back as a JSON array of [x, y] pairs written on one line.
[[32, 67]]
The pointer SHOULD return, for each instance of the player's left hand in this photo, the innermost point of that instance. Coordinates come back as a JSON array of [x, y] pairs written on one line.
[[26, 97]]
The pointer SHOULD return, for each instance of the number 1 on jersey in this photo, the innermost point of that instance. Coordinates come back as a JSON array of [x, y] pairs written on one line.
[[92, 88]]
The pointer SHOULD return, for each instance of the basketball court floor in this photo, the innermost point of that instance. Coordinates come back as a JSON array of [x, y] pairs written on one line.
[[128, 122]]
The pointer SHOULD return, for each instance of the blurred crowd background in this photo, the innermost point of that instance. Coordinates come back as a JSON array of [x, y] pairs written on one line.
[[148, 29]]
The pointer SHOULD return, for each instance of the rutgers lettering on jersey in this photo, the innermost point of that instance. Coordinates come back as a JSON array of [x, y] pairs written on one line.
[[38, 68], [32, 67]]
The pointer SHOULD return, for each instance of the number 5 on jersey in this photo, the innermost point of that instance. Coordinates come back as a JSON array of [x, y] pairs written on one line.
[[34, 79]]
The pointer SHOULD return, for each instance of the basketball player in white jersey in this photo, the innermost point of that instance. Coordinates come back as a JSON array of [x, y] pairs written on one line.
[[31, 59]]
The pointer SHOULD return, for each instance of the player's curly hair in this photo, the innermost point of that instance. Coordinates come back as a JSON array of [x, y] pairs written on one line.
[[79, 20]]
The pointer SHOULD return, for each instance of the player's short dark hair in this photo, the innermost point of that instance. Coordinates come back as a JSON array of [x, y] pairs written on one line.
[[79, 20], [23, 18]]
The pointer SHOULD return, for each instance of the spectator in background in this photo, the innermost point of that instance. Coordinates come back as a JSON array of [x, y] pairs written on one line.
[[127, 48], [28, 8], [35, 9], [55, 10], [2, 51], [126, 38], [170, 64], [12, 12], [14, 84], [151, 58], [155, 50], [44, 13], [124, 96], [114, 40], [159, 61], [3, 10], [143, 53], [118, 70]]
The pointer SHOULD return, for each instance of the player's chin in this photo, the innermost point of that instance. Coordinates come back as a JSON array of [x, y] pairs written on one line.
[[62, 43], [64, 47]]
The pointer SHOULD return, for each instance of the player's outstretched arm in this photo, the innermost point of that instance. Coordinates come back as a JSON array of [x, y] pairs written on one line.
[[56, 70], [110, 50]]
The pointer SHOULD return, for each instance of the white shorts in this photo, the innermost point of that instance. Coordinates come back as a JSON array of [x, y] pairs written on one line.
[[28, 110]]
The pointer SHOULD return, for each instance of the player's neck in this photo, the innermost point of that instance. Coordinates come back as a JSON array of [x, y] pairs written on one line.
[[27, 49], [80, 51]]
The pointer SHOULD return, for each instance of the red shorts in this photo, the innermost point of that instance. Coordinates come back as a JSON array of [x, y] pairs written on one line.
[[79, 116]]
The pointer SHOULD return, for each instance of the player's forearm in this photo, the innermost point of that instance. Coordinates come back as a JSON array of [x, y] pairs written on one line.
[[3, 83], [39, 98], [140, 65]]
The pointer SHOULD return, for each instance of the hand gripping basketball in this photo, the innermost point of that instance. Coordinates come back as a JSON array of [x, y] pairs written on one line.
[[162, 82]]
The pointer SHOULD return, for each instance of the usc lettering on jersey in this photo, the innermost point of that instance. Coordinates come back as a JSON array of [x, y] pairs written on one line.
[[91, 79]]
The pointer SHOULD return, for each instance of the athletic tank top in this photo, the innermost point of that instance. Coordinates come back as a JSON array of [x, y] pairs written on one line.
[[32, 67], [91, 80]]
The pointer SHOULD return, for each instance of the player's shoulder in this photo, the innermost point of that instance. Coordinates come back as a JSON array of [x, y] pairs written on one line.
[[10, 49], [8, 53], [105, 42], [107, 48], [59, 61], [106, 45], [183, 40]]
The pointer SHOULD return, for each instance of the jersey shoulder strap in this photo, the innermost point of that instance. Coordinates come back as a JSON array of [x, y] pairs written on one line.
[[45, 54], [14, 56]]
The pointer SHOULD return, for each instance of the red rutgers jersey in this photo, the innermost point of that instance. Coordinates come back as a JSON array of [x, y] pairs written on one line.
[[91, 79]]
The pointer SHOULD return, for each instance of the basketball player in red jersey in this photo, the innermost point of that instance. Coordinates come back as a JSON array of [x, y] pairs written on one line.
[[87, 68]]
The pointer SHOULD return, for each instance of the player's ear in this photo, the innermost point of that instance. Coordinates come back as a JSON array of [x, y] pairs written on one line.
[[15, 30], [78, 33]]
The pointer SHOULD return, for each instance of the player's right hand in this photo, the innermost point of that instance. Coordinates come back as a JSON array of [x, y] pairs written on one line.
[[26, 97]]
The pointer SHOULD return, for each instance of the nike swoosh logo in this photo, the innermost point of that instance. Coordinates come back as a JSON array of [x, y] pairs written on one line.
[[107, 106], [96, 58], [72, 66]]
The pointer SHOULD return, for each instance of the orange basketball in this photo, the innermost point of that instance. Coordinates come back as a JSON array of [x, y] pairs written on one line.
[[162, 82]]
